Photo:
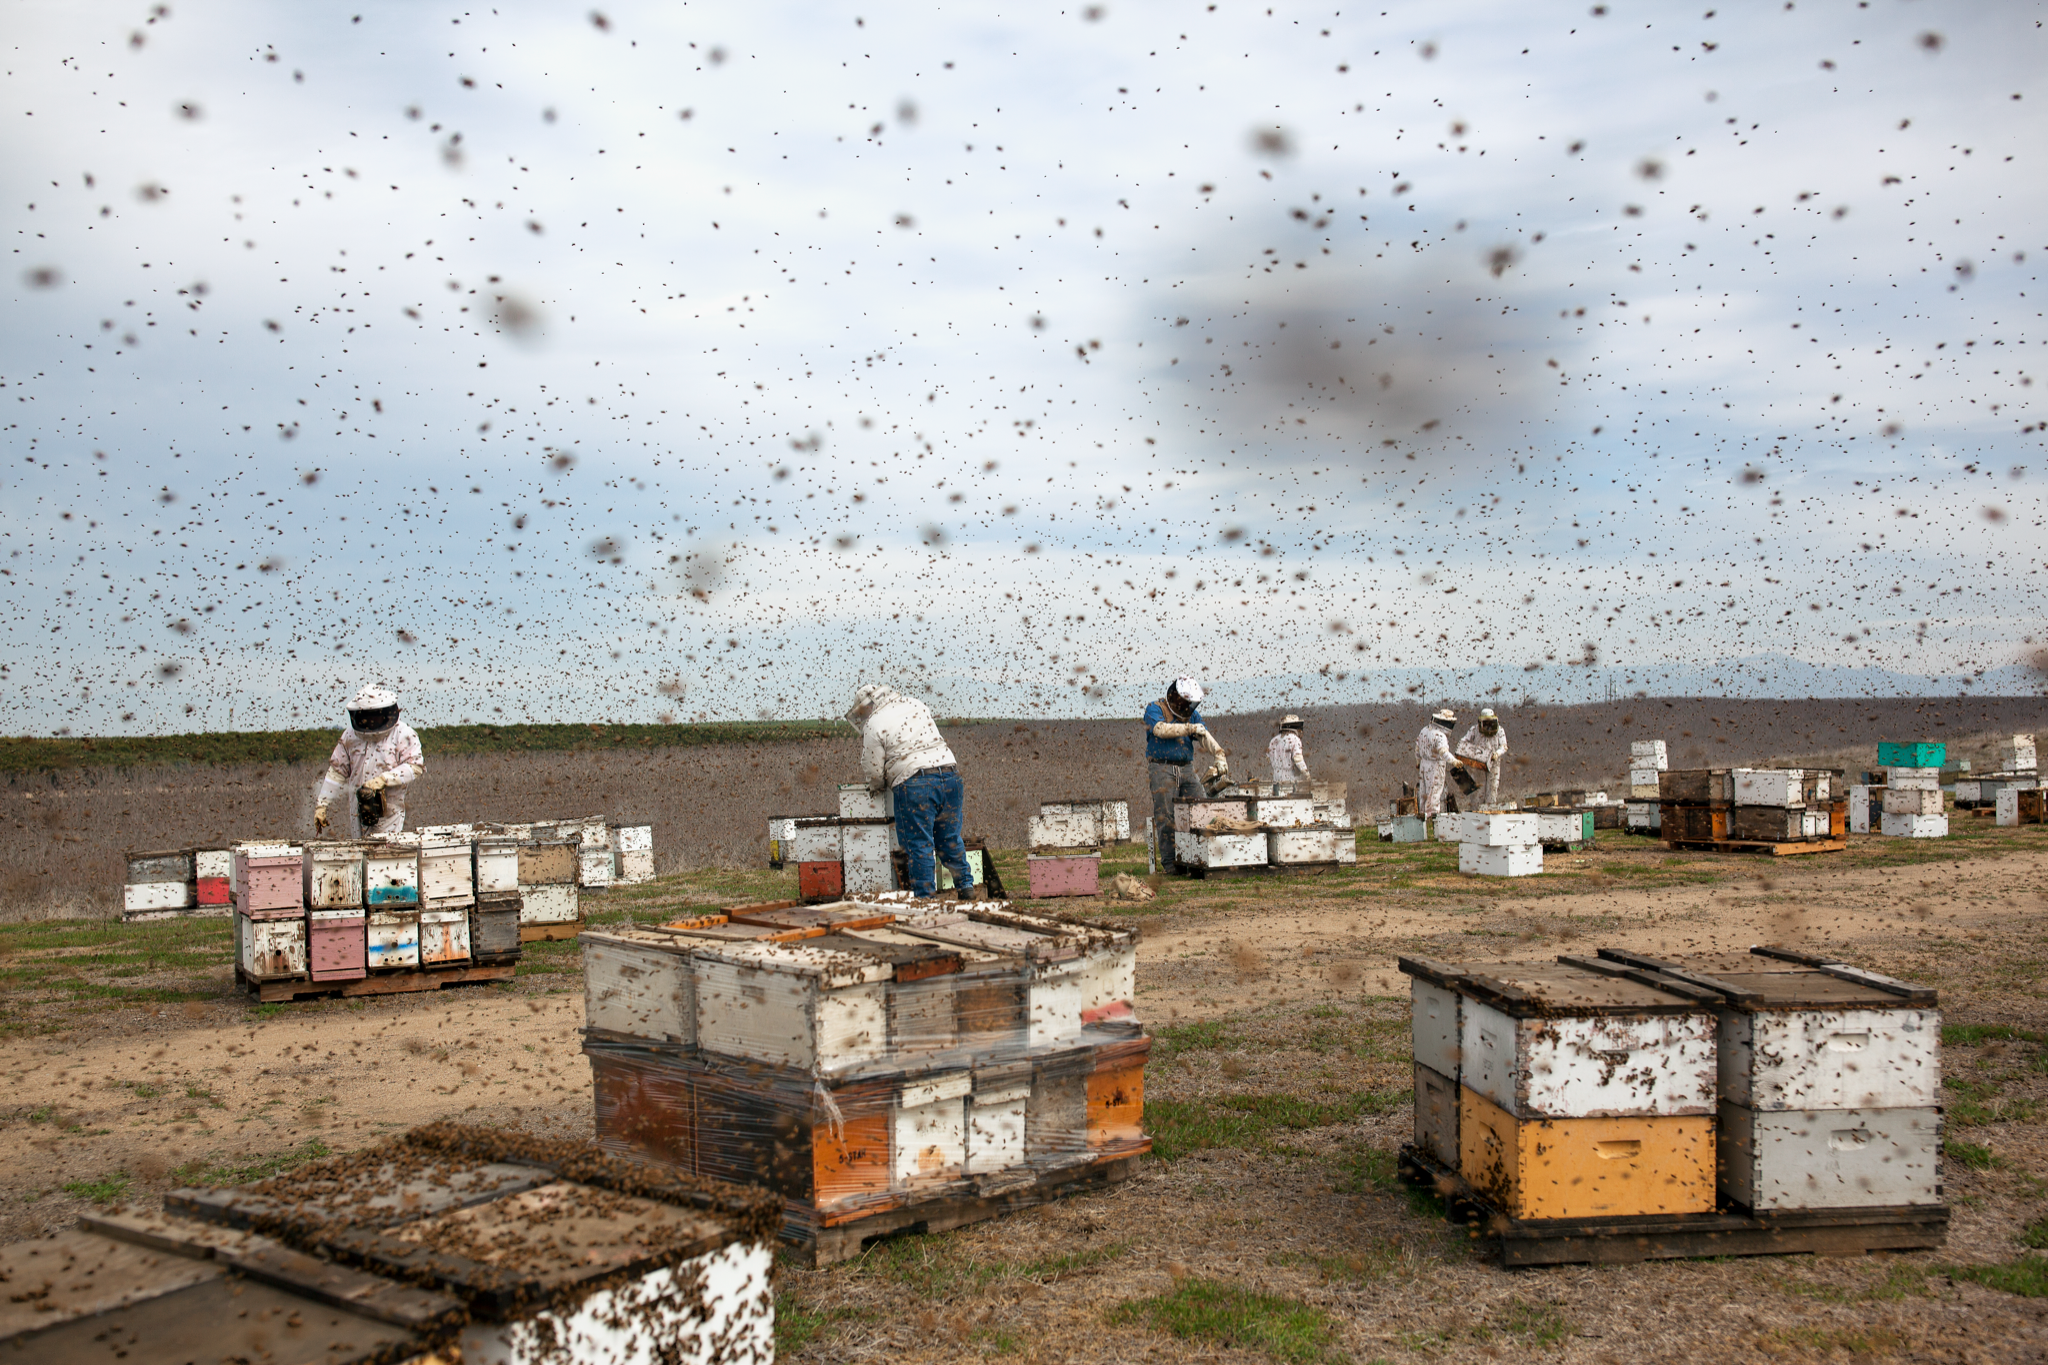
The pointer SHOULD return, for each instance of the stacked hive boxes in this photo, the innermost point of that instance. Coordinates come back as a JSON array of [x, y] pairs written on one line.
[[1769, 1082], [270, 914], [1646, 764], [548, 892], [1913, 804], [1263, 825], [1557, 1091], [2016, 771], [1500, 844], [1786, 805], [540, 1252], [632, 854], [160, 885], [839, 856], [1067, 839], [870, 1062], [1830, 1080]]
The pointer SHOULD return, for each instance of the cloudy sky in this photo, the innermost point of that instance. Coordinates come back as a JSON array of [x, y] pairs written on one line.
[[699, 361]]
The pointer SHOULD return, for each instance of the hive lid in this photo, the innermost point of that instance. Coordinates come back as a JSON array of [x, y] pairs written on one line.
[[1761, 979], [829, 969], [910, 958], [1002, 939], [838, 915], [1527, 990]]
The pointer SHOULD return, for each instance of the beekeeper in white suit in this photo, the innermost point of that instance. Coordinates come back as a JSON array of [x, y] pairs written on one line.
[[1284, 752], [376, 758], [1486, 743], [1433, 761]]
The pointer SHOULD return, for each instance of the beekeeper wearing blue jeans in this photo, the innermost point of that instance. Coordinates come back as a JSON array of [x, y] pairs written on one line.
[[901, 751], [1173, 731]]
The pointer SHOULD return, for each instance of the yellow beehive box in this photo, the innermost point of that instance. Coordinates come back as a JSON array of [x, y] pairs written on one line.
[[1586, 1168]]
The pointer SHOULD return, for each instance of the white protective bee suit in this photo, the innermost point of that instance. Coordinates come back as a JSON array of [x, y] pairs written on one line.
[[1488, 749], [1433, 761], [386, 760], [1284, 752]]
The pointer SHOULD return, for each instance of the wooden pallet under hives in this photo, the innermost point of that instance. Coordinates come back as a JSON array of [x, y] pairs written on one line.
[[377, 983], [1658, 1237], [1789, 849]]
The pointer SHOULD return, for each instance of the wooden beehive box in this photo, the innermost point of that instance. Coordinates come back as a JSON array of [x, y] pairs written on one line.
[[267, 879], [1277, 812], [391, 874], [447, 871], [921, 1005], [333, 876], [791, 1005], [640, 982], [1696, 786], [1585, 1167], [158, 883], [444, 936], [496, 863], [1200, 812], [1310, 844], [213, 876], [270, 949], [494, 927], [336, 947], [547, 862], [393, 939]]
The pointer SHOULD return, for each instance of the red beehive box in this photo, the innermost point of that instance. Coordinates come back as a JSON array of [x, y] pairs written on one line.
[[1064, 875], [335, 947], [821, 881]]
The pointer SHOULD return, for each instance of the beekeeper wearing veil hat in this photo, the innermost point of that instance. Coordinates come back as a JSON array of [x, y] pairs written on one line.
[[1483, 746], [376, 758], [1173, 731], [1433, 760]]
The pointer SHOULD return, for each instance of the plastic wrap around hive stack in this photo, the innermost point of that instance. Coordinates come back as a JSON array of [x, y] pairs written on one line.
[[862, 1057]]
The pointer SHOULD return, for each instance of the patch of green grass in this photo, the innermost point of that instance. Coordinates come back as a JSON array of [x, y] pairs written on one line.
[[200, 1092], [939, 1267], [1379, 1259], [1972, 1155], [2026, 1277], [1539, 1324], [1231, 1315], [1203, 1035], [1251, 1122], [1365, 1170], [144, 1090], [262, 1168], [1977, 1102], [1970, 1035], [2035, 1235], [102, 1191]]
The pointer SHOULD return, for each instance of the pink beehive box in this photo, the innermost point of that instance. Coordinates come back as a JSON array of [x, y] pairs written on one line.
[[1064, 875], [268, 880]]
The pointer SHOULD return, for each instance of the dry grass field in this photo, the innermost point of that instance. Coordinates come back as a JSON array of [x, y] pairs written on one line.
[[1267, 1225], [63, 832]]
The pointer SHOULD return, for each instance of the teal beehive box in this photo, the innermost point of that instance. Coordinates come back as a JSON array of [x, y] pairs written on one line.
[[1919, 754]]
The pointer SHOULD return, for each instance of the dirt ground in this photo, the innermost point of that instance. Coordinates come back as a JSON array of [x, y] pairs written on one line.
[[1277, 1096]]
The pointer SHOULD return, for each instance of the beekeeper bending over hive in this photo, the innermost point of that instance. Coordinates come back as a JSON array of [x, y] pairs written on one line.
[[377, 758], [1290, 764], [1486, 743], [1433, 760], [901, 750]]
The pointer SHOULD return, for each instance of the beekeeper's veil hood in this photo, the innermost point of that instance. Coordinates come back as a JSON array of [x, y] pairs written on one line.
[[870, 696], [374, 710]]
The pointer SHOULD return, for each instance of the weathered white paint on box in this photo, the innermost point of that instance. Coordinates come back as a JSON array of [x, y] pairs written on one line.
[[1436, 1115], [1915, 826], [447, 869], [271, 949], [634, 868], [995, 1128], [1434, 1026], [554, 903], [391, 873], [1055, 1003], [497, 863], [333, 877], [789, 1005], [213, 862], [633, 838], [1829, 1158], [1641, 817], [1646, 749], [640, 983], [1220, 850], [856, 802], [867, 876], [1913, 779], [393, 939], [594, 865], [142, 896], [812, 843], [1830, 1058], [1450, 827], [929, 1144], [1308, 844], [1589, 1066], [1897, 802], [1769, 786], [864, 843], [1494, 860], [444, 936], [1499, 829]]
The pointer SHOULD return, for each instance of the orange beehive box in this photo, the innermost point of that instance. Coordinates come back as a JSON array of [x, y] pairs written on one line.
[[1586, 1168]]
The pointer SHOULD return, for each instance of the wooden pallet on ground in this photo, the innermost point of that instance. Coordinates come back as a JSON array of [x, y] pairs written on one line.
[[1776, 850], [382, 983], [1658, 1237], [843, 1240], [541, 933]]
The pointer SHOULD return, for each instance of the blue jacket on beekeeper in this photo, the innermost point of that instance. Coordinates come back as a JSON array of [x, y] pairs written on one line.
[[1178, 750]]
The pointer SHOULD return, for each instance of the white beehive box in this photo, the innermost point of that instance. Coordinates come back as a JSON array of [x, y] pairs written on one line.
[[867, 876], [1641, 817], [788, 1005], [213, 862], [856, 802], [393, 939], [1435, 1035], [1449, 828], [142, 898], [929, 1141], [391, 873], [2008, 809], [813, 841], [1499, 829], [995, 1120], [549, 903], [1859, 809], [1915, 826], [334, 876], [640, 982], [864, 842], [1278, 812], [497, 863], [1647, 753], [1500, 860], [594, 865], [1913, 779], [1784, 787], [1199, 849], [1580, 1045], [1830, 1054], [1072, 824], [1561, 826], [1815, 824], [1898, 802], [1309, 844], [444, 936], [1193, 815], [271, 949], [634, 868], [1643, 784], [1829, 1158], [447, 871]]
